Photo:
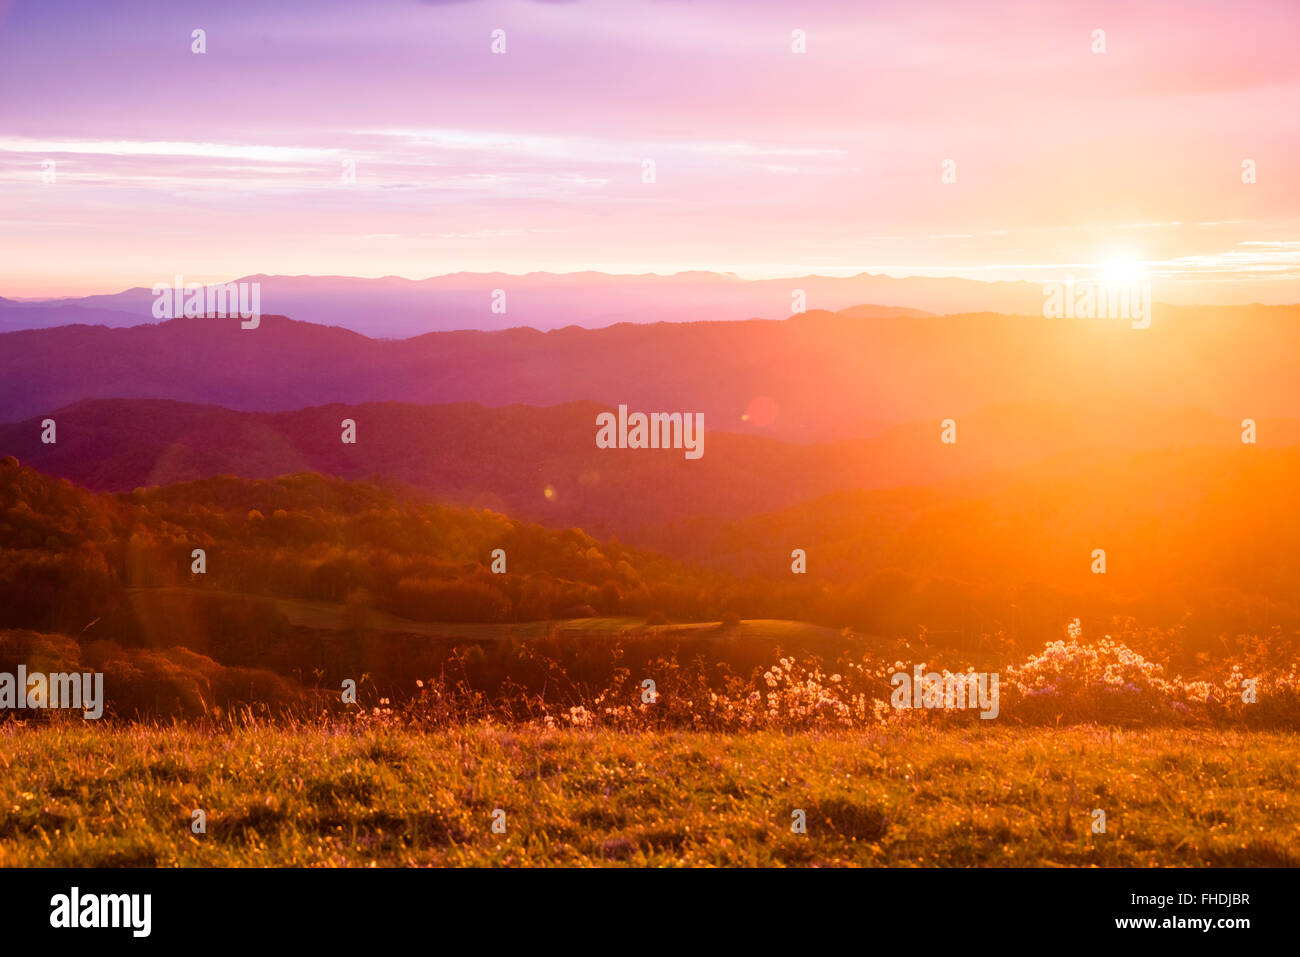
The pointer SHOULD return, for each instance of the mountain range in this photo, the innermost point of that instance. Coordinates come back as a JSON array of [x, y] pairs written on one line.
[[543, 464], [814, 377], [394, 307], [824, 432]]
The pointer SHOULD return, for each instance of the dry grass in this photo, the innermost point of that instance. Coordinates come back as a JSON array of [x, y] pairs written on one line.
[[84, 795]]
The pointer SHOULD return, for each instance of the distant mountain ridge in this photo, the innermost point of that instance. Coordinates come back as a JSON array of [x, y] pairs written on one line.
[[814, 377], [395, 307]]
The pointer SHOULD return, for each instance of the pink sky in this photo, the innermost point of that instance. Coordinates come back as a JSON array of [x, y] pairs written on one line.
[[767, 162]]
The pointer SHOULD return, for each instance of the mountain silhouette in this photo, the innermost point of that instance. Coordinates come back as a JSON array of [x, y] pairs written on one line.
[[543, 464], [814, 377]]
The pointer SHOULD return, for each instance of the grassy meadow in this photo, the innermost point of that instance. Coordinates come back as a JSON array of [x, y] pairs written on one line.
[[335, 675], [369, 794]]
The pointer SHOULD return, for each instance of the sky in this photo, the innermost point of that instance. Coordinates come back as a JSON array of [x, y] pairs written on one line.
[[766, 162]]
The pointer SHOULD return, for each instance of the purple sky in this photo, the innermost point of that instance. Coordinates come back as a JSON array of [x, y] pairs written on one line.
[[767, 162]]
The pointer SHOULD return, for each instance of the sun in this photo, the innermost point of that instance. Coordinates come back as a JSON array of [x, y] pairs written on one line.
[[1121, 269]]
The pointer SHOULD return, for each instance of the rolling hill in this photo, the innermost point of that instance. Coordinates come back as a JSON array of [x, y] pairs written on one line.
[[542, 464], [815, 377]]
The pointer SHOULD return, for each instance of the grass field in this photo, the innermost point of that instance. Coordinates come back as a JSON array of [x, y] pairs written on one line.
[[79, 795]]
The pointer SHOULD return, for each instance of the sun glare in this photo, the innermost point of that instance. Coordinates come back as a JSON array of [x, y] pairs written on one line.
[[1121, 269]]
